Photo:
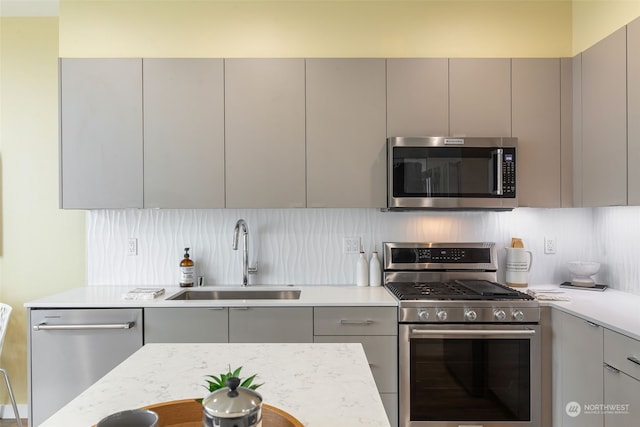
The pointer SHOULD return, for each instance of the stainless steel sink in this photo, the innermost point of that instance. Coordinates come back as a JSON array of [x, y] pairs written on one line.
[[198, 295]]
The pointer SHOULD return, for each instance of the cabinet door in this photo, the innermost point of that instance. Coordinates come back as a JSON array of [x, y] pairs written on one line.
[[578, 371], [100, 133], [622, 395], [536, 124], [265, 133], [480, 97], [346, 133], [417, 97], [604, 122], [183, 133], [186, 325], [270, 324], [633, 113]]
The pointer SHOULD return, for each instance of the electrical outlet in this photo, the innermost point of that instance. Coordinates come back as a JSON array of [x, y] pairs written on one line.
[[549, 245], [132, 246], [351, 245]]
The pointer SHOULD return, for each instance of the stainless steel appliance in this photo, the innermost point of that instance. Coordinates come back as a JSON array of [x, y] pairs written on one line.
[[70, 349], [451, 173], [469, 347]]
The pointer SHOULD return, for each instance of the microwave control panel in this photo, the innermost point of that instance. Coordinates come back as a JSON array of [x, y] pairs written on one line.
[[509, 172]]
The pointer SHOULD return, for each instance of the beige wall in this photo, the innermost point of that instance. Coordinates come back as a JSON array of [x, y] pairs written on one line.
[[593, 20], [315, 28], [43, 248]]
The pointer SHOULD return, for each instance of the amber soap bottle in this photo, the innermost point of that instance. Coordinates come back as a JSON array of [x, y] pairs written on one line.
[[187, 270]]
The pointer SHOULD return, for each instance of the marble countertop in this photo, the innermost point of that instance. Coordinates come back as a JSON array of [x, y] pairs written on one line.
[[316, 295], [322, 385]]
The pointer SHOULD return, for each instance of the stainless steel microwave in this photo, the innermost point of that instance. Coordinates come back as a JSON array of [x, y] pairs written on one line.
[[452, 173]]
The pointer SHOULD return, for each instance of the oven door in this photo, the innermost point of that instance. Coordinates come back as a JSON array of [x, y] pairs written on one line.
[[469, 375]]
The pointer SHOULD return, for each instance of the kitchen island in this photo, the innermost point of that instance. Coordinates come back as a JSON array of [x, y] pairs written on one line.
[[319, 384]]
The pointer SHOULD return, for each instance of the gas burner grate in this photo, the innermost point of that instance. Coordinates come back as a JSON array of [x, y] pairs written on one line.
[[456, 290]]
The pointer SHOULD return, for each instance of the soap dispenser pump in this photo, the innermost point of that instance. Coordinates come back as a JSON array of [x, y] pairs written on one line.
[[187, 270]]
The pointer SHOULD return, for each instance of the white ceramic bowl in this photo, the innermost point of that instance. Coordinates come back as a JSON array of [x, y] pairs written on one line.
[[582, 272]]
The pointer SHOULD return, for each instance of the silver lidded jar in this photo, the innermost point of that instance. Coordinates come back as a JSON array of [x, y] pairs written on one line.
[[232, 406]]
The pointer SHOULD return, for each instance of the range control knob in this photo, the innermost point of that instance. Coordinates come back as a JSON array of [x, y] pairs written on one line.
[[470, 315], [517, 315], [423, 315], [442, 315], [500, 315]]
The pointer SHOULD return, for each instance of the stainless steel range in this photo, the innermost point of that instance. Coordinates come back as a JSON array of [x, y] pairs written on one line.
[[469, 347]]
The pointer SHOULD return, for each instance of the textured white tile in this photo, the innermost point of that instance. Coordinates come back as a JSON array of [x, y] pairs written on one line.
[[304, 246]]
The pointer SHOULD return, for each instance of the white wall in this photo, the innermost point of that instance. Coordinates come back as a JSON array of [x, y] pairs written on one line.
[[304, 246]]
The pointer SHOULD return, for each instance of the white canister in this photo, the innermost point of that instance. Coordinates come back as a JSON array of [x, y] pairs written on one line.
[[362, 271], [375, 270], [518, 266]]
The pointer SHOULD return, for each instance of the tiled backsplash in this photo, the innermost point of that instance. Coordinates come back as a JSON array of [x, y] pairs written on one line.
[[304, 246]]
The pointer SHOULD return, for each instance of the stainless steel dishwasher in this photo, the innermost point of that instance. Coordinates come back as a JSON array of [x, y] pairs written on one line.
[[70, 349]]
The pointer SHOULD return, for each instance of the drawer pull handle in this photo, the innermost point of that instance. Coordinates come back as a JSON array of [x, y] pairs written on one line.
[[76, 327], [633, 359], [611, 368], [595, 325], [356, 322]]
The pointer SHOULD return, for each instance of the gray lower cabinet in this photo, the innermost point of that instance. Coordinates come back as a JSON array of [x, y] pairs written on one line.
[[346, 133], [183, 133], [480, 97], [376, 328], [621, 379], [604, 122], [265, 133], [70, 349], [189, 324], [271, 324], [577, 370], [101, 133]]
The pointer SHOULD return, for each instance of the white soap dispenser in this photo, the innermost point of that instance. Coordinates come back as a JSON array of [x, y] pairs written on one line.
[[375, 272], [362, 270]]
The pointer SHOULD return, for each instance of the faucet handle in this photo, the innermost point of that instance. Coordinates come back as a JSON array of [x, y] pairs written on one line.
[[254, 269]]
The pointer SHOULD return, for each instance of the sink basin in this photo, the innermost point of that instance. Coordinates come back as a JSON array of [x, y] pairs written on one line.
[[198, 295]]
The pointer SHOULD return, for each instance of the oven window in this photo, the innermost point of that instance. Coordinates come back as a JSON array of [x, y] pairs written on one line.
[[444, 172], [470, 380]]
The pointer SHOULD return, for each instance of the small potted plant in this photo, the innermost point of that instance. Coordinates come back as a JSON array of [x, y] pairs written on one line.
[[217, 382]]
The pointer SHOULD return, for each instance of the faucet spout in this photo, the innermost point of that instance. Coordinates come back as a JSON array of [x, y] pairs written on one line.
[[241, 226]]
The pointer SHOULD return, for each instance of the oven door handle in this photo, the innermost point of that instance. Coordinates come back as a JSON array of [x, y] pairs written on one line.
[[471, 333]]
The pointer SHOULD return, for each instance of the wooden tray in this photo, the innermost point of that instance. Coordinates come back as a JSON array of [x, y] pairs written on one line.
[[188, 413]]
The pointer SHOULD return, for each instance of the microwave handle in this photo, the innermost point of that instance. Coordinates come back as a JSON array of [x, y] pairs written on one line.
[[499, 175]]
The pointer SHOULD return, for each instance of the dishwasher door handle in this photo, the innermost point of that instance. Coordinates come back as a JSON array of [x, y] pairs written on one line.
[[83, 326]]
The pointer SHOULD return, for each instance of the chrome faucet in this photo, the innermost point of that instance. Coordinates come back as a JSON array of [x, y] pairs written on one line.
[[246, 270]]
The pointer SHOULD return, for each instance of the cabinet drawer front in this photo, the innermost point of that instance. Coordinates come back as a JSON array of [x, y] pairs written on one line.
[[188, 324], [355, 321], [382, 354], [270, 324], [622, 353]]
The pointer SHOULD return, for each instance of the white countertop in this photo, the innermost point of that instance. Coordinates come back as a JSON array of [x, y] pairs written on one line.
[[322, 385], [111, 297], [615, 310]]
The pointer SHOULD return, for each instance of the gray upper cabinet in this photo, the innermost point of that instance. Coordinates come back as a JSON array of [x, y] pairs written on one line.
[[101, 133], [536, 123], [265, 133], [346, 133], [633, 105], [480, 97], [604, 122], [183, 133], [418, 97]]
